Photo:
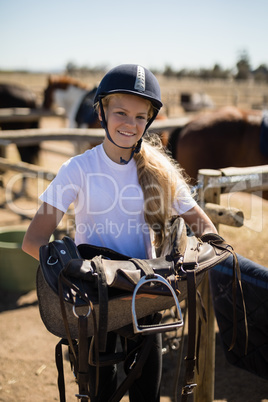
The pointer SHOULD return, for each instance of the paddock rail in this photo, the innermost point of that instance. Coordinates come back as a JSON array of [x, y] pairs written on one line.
[[213, 183]]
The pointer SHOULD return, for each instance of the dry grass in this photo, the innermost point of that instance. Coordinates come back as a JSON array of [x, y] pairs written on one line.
[[252, 238]]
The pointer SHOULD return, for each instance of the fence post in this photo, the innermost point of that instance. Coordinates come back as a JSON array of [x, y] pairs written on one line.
[[206, 375]]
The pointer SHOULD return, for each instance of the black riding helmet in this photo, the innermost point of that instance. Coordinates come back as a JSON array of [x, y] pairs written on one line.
[[134, 80]]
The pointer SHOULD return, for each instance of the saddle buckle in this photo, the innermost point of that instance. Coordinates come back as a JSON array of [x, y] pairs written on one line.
[[188, 389]]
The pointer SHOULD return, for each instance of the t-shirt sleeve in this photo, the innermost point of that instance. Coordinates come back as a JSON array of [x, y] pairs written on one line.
[[63, 190], [184, 200]]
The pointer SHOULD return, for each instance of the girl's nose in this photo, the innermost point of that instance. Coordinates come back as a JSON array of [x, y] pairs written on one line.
[[130, 121]]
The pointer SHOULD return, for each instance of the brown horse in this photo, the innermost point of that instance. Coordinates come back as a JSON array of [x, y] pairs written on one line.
[[75, 98], [228, 137]]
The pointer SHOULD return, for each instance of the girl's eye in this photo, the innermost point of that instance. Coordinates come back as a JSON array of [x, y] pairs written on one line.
[[141, 117]]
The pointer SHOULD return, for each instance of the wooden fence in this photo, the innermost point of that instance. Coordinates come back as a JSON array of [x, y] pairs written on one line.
[[212, 183], [20, 114]]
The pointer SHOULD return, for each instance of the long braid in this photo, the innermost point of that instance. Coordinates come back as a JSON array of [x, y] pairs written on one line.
[[158, 176]]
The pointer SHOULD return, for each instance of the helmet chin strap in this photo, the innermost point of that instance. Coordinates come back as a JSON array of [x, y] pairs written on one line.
[[135, 148]]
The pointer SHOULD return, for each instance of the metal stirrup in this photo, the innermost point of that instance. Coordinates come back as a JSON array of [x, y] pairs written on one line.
[[151, 329]]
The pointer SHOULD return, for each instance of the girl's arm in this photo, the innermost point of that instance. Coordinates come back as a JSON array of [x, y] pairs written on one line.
[[41, 228], [198, 221]]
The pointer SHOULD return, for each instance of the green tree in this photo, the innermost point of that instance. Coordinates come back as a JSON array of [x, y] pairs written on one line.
[[261, 73], [169, 72], [243, 66]]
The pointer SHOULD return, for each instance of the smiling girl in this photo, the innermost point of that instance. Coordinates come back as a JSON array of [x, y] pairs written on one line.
[[124, 191]]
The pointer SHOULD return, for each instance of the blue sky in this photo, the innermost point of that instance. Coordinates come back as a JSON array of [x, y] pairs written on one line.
[[45, 34]]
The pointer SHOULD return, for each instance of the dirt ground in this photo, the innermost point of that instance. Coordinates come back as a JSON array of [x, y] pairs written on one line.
[[28, 371]]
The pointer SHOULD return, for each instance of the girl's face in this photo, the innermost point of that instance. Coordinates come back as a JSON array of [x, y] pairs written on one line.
[[126, 117]]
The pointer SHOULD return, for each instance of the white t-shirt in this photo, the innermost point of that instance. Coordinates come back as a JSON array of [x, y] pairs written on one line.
[[108, 202]]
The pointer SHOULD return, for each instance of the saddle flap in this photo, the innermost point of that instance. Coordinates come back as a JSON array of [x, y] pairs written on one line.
[[79, 268], [204, 253], [126, 274]]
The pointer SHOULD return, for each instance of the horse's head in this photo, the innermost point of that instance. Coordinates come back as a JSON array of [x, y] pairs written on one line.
[[54, 83], [74, 97]]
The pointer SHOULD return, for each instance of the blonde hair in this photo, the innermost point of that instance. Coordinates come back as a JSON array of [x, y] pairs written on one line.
[[160, 178]]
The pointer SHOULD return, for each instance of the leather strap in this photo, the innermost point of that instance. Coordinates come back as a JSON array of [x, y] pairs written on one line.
[[144, 266], [103, 304], [83, 367], [59, 365], [64, 316], [237, 273], [222, 245]]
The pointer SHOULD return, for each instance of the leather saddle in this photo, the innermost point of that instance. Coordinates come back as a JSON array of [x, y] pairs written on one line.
[[79, 279]]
